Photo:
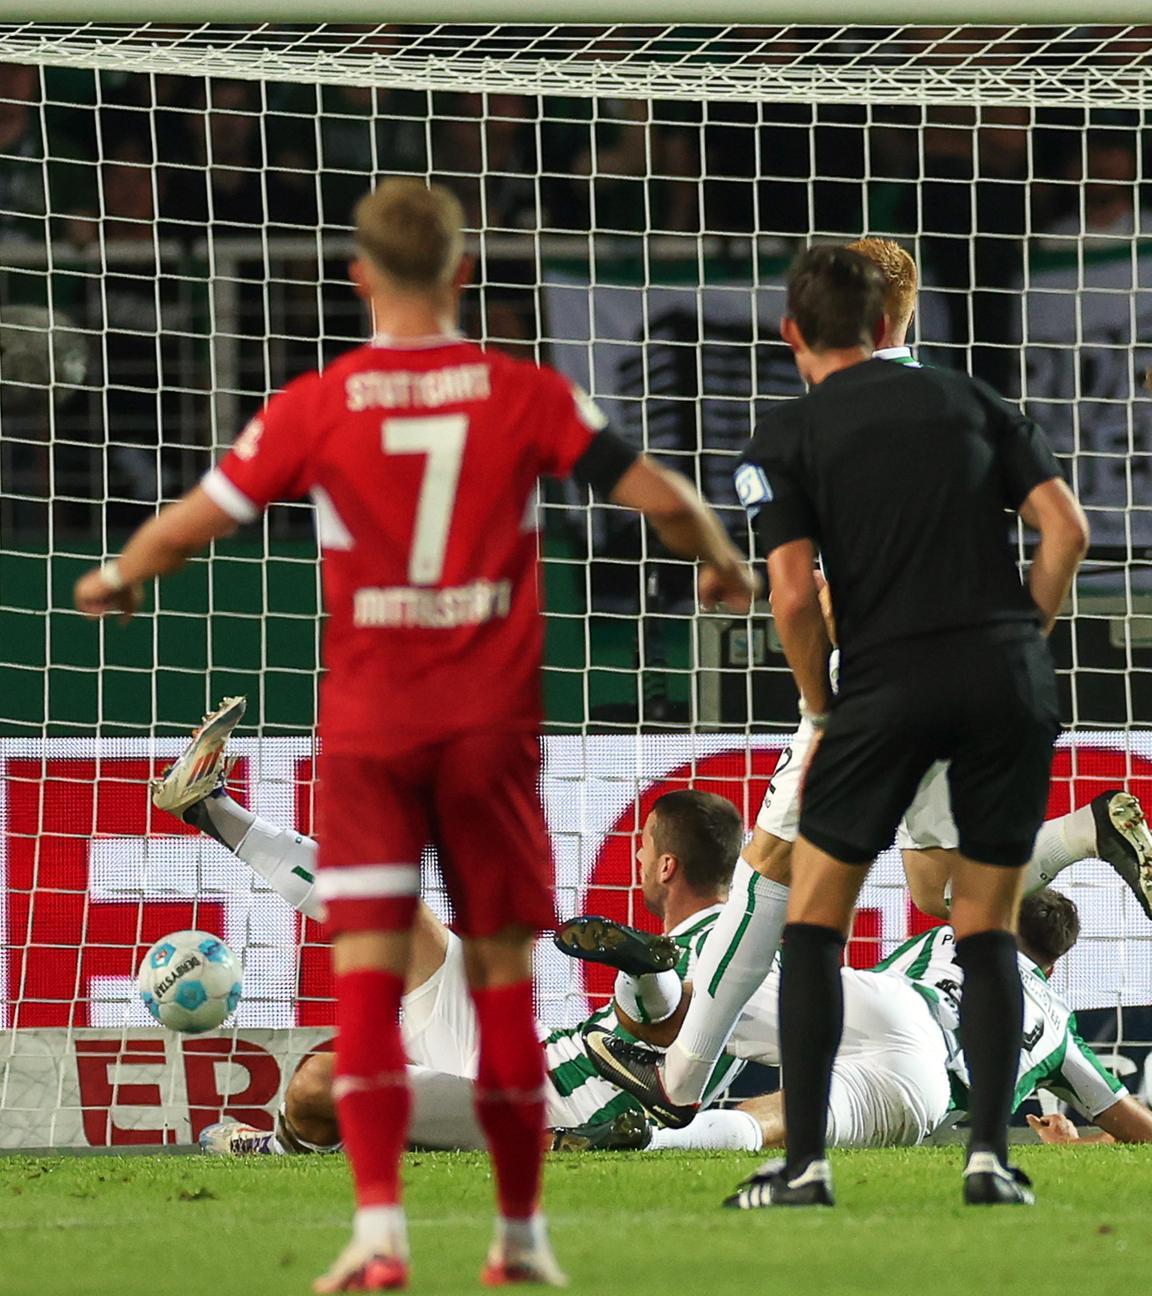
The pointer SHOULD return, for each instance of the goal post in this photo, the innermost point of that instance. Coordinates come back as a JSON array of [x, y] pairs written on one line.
[[174, 231]]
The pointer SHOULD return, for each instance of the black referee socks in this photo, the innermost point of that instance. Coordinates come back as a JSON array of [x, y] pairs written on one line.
[[991, 1026], [811, 1024]]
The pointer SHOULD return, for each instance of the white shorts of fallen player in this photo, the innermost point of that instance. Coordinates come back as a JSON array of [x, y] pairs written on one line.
[[890, 1081], [442, 1041], [928, 823]]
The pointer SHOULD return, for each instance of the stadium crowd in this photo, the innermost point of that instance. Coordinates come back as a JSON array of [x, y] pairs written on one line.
[[146, 189]]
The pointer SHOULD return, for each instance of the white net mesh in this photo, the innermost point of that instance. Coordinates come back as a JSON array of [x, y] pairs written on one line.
[[175, 210], [1055, 65]]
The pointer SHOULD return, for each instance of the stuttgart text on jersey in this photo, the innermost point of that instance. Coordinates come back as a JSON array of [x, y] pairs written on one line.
[[398, 389]]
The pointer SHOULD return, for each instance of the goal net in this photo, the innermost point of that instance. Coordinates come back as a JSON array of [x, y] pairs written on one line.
[[174, 231]]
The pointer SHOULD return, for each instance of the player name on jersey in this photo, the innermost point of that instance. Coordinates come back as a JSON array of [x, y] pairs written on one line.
[[400, 389], [459, 605]]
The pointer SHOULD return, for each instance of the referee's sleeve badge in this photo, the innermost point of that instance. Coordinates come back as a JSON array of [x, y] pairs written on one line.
[[752, 488]]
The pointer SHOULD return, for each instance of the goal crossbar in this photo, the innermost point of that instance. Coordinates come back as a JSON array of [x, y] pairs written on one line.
[[658, 12], [1043, 66]]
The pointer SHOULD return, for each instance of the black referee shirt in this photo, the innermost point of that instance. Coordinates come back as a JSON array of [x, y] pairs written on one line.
[[900, 476]]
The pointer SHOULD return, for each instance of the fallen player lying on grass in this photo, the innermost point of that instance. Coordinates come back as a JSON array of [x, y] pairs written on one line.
[[894, 1082], [900, 1073]]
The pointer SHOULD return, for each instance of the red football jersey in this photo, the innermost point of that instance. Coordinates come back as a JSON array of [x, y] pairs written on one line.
[[422, 460]]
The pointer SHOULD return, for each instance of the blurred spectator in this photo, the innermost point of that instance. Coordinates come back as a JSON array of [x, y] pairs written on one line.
[[486, 151], [972, 211], [37, 173], [642, 166], [223, 187], [784, 169], [22, 197], [1102, 200]]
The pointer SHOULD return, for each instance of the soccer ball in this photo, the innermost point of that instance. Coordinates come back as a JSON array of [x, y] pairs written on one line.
[[190, 981], [41, 348]]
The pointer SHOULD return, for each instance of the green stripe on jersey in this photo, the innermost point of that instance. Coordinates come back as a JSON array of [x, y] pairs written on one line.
[[919, 965], [1088, 1053], [1043, 1070], [571, 1075], [621, 1103], [684, 938], [749, 910], [721, 1076]]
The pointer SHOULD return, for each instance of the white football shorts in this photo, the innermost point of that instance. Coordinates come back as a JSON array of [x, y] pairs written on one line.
[[928, 822], [439, 1021], [780, 810], [890, 1082]]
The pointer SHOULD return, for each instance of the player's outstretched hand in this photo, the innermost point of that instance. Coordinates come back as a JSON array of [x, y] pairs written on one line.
[[733, 587], [96, 598], [1054, 1129]]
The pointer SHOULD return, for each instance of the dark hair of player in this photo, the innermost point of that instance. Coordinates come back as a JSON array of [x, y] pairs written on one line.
[[705, 833], [1049, 926], [836, 298], [411, 231]]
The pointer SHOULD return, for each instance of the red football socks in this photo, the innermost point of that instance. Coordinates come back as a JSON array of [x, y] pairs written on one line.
[[510, 1095], [371, 1083]]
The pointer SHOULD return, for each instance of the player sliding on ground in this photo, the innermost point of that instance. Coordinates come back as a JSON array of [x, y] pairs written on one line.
[[900, 1072], [890, 1085], [423, 454], [689, 845]]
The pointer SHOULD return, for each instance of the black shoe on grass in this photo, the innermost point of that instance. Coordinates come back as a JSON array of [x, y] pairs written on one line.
[[771, 1186], [989, 1183], [628, 1132], [600, 940]]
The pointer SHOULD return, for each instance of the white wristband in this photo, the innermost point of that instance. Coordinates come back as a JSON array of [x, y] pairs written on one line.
[[110, 575], [817, 719]]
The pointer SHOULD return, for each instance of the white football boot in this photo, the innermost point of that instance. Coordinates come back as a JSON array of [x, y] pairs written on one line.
[[364, 1267], [202, 765], [509, 1265], [231, 1138]]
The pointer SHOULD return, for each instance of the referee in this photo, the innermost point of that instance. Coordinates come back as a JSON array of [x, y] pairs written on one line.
[[899, 479]]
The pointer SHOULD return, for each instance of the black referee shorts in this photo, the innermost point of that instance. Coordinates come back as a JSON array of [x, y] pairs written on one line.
[[983, 699]]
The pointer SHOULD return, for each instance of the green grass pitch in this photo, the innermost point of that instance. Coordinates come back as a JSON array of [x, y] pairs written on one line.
[[639, 1225]]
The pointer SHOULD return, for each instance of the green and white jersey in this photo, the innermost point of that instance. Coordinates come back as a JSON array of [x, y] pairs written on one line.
[[1053, 1057], [576, 1094], [897, 355]]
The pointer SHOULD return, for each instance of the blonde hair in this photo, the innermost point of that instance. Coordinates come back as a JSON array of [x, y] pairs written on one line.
[[411, 231], [899, 272]]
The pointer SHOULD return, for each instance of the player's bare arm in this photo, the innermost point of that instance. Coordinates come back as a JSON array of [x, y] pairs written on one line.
[[163, 544], [800, 621], [1053, 510], [1126, 1121], [690, 529]]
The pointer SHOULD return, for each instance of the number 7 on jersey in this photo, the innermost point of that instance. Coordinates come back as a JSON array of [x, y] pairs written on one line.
[[441, 438]]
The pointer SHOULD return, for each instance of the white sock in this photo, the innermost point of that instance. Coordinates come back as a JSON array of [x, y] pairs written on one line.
[[1060, 843], [286, 861], [382, 1226], [734, 962], [522, 1234], [649, 998], [729, 1131]]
